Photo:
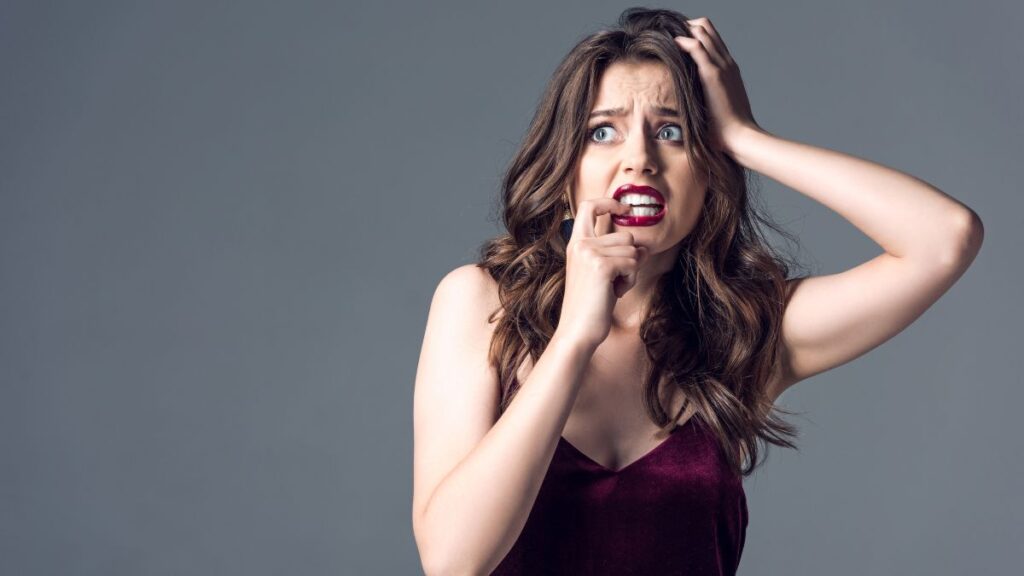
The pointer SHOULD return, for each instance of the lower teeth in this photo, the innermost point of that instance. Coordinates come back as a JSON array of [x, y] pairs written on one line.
[[644, 211]]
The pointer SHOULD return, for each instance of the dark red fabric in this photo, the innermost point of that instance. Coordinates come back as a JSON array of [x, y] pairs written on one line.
[[677, 510]]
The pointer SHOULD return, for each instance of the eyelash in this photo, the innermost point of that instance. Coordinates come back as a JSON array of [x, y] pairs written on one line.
[[590, 132]]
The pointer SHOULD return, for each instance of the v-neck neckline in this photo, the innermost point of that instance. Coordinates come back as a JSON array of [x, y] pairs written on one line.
[[647, 456]]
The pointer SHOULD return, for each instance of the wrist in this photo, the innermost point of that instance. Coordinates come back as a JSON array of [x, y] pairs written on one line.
[[571, 344], [742, 138]]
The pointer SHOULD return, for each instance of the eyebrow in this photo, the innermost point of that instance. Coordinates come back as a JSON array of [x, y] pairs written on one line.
[[660, 110]]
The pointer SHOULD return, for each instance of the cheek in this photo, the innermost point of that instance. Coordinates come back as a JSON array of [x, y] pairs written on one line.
[[592, 167], [692, 210], [591, 186]]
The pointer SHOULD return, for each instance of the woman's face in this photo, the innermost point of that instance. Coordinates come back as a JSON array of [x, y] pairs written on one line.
[[641, 146]]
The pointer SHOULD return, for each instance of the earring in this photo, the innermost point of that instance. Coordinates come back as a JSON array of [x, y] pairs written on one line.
[[567, 219]]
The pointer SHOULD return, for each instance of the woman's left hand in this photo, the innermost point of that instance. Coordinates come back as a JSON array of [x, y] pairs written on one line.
[[723, 87]]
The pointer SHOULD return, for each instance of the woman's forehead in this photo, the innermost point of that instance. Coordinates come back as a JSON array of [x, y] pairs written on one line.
[[627, 85], [630, 84]]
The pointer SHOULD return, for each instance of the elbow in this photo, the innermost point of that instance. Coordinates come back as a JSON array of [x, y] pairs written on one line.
[[432, 559], [441, 569], [434, 566], [428, 558], [968, 233], [440, 566]]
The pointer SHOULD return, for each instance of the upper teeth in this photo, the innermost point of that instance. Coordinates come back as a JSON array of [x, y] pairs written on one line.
[[633, 199]]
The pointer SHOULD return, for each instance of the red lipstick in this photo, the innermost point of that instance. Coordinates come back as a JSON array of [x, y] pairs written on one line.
[[637, 220]]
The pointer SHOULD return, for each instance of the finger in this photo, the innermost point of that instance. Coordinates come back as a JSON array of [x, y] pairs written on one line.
[[619, 251], [638, 254], [625, 275], [623, 266], [696, 51], [590, 210], [624, 282], [707, 43], [712, 32], [602, 225], [620, 238]]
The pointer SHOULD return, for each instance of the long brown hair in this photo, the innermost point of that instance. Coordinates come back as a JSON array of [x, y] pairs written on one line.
[[712, 330]]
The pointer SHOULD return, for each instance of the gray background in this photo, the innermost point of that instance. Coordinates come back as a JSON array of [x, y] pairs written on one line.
[[221, 226]]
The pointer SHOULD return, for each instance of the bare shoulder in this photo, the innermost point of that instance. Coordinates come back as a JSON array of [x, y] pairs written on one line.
[[467, 296], [472, 286], [456, 392]]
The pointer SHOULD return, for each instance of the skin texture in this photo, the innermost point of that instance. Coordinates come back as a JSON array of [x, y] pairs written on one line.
[[640, 147]]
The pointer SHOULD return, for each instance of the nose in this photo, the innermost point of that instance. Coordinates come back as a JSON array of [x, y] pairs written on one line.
[[638, 155]]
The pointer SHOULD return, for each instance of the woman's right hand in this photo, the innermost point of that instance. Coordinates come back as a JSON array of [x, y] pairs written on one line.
[[600, 267]]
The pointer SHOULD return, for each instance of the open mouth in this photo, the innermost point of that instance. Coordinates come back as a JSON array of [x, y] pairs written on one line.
[[642, 204], [646, 205]]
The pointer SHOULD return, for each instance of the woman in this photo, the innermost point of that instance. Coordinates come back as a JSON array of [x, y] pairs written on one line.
[[589, 403]]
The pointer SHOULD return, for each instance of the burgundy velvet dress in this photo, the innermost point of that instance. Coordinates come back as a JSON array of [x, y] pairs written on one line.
[[677, 510]]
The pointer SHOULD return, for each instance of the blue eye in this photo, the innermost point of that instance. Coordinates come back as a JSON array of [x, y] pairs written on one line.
[[600, 127], [678, 129], [594, 131]]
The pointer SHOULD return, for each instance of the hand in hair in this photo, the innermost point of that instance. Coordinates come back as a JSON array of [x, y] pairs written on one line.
[[723, 87]]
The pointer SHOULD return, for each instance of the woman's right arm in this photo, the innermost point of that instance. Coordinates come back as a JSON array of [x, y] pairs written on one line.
[[476, 480]]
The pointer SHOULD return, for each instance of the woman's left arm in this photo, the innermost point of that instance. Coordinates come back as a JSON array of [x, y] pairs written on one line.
[[907, 217], [929, 238]]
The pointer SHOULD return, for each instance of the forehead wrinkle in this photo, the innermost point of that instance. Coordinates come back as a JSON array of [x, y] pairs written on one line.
[[636, 83]]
